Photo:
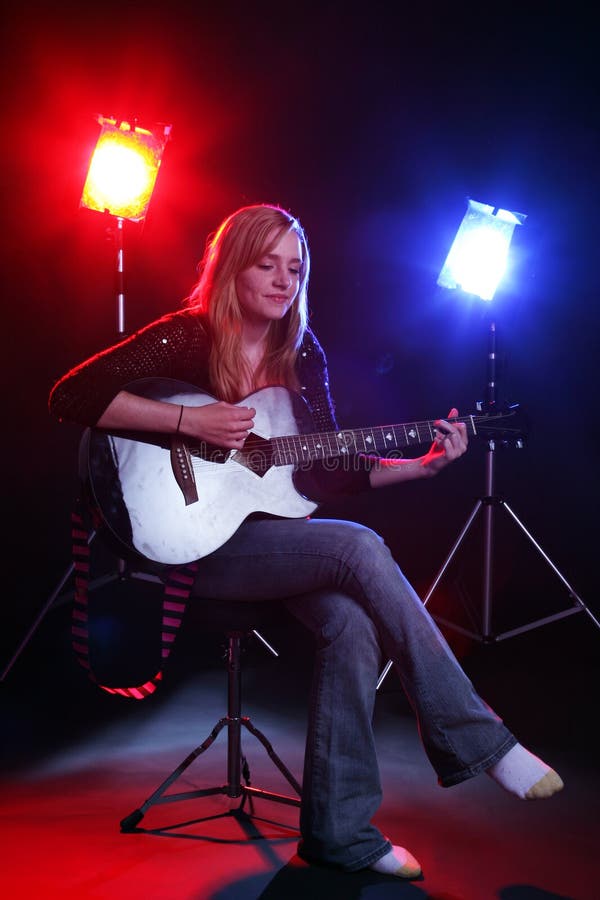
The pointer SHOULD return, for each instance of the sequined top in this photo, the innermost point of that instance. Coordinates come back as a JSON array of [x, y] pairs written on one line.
[[176, 346]]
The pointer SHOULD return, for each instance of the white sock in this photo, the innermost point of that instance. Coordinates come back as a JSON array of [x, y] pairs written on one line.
[[398, 861], [523, 774]]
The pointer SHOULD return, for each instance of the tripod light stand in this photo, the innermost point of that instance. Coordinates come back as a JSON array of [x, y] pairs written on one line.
[[475, 264], [120, 182]]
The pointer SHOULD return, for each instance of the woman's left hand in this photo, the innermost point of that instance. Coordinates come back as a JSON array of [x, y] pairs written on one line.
[[450, 443]]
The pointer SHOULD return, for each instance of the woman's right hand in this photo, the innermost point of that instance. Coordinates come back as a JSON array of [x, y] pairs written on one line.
[[219, 423]]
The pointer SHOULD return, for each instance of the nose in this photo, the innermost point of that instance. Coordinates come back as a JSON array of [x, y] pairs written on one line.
[[282, 278]]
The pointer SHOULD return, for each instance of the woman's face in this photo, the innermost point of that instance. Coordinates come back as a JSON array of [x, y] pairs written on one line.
[[268, 288]]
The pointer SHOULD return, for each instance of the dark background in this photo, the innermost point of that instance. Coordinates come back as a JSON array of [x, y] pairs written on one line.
[[373, 125]]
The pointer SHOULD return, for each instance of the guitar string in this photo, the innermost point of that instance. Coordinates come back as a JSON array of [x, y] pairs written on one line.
[[295, 448]]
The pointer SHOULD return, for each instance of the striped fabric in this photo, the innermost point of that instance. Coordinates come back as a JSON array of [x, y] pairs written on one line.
[[177, 590]]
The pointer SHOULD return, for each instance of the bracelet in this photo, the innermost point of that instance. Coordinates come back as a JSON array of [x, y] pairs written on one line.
[[179, 421]]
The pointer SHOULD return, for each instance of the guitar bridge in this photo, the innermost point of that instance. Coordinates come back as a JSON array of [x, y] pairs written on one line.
[[181, 463]]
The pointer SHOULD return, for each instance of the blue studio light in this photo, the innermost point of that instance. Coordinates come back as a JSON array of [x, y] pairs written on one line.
[[478, 256]]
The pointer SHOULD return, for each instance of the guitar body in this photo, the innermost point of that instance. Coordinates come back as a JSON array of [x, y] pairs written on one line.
[[132, 485]]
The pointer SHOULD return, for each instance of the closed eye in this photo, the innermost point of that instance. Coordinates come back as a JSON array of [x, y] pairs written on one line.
[[265, 267]]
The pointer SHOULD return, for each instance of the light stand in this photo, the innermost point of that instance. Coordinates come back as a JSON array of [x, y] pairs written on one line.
[[120, 182], [482, 282], [120, 270], [487, 505]]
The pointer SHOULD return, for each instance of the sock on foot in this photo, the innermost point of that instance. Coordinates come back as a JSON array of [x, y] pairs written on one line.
[[398, 861], [523, 774]]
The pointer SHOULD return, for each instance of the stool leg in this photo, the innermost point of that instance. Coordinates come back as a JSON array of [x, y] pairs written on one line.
[[234, 715], [274, 757], [130, 822]]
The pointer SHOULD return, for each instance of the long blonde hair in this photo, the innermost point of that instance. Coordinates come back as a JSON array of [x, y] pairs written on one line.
[[238, 244]]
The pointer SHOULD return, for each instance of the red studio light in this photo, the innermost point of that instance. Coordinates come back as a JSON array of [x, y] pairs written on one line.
[[123, 169]]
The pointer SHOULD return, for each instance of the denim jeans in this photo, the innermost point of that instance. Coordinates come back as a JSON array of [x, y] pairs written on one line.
[[341, 581]]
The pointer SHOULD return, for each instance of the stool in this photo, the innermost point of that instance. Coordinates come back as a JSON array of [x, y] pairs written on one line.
[[237, 766]]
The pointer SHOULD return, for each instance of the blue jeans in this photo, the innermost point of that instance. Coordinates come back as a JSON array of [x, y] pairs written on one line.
[[341, 581]]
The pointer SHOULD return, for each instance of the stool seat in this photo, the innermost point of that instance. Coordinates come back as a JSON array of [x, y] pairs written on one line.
[[237, 615]]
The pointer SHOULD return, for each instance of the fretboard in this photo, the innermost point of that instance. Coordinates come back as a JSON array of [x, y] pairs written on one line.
[[380, 440]]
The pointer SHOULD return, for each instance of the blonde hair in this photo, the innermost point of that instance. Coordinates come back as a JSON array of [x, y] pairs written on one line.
[[238, 244]]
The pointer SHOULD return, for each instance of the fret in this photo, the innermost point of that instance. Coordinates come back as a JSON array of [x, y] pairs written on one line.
[[280, 455], [318, 446], [331, 444], [292, 450], [387, 437], [303, 447], [425, 431], [411, 434], [368, 439], [342, 442]]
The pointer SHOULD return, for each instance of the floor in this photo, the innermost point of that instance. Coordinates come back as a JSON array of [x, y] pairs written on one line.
[[75, 761]]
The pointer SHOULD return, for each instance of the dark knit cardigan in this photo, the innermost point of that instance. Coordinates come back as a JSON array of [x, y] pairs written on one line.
[[176, 346]]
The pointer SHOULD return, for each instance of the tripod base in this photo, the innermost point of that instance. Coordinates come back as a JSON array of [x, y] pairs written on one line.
[[237, 766], [487, 506]]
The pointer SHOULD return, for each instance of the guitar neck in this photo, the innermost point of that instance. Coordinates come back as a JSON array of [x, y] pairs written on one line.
[[380, 439]]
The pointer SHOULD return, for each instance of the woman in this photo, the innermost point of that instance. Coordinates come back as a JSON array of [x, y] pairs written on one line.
[[244, 328]]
